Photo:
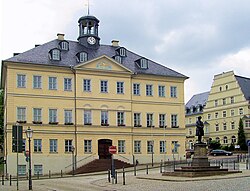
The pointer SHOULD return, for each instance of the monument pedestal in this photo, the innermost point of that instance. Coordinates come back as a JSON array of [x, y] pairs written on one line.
[[200, 155]]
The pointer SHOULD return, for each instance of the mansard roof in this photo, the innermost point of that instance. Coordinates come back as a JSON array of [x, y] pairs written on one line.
[[39, 55], [198, 99]]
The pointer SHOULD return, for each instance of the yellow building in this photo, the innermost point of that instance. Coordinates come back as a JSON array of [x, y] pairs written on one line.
[[224, 105], [80, 97]]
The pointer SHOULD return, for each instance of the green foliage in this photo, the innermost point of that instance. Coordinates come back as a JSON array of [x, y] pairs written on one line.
[[226, 148], [241, 136], [214, 144]]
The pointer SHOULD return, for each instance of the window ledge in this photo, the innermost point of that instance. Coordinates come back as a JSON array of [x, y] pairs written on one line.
[[121, 125], [104, 124], [37, 122], [53, 123], [87, 123], [68, 123], [137, 126], [21, 121]]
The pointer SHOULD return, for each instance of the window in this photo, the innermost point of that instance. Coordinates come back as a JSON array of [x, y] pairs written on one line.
[[226, 87], [64, 45], [232, 112], [232, 99], [52, 83], [37, 82], [87, 146], [247, 123], [149, 120], [104, 118], [120, 119], [215, 103], [149, 90], [37, 145], [161, 91], [21, 81], [216, 114], [137, 146], [144, 63], [55, 54], [52, 115], [173, 91], [104, 86], [122, 52], [175, 146], [217, 127], [233, 139], [68, 117], [37, 115], [120, 87], [225, 140], [21, 114], [174, 121], [87, 85], [87, 117], [224, 126], [24, 145], [190, 131], [67, 84], [162, 122], [38, 169], [241, 111], [83, 57], [22, 170], [217, 139], [121, 146], [224, 101], [220, 89], [53, 145], [118, 59], [232, 125], [163, 147], [136, 88], [208, 116], [137, 120], [68, 146], [224, 113], [150, 146]]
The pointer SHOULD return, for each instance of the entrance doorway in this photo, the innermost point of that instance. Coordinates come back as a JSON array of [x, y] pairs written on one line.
[[103, 148]]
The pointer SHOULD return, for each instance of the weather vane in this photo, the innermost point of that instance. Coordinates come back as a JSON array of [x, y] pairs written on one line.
[[87, 4]]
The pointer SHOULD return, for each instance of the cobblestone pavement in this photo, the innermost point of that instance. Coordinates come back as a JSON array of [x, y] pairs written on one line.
[[141, 182]]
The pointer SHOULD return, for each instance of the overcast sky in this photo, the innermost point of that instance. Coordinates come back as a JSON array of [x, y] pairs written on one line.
[[198, 38]]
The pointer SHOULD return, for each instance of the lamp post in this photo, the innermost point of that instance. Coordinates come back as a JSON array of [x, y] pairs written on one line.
[[73, 161], [152, 150], [29, 133]]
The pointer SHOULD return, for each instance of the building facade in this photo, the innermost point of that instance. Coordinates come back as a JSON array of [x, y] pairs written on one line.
[[225, 104], [80, 97]]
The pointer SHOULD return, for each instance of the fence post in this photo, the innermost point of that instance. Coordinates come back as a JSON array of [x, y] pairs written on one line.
[[2, 179], [234, 164], [115, 177], [174, 164], [161, 167], [123, 176], [61, 174], [108, 175], [147, 169], [246, 164], [10, 180], [49, 174]]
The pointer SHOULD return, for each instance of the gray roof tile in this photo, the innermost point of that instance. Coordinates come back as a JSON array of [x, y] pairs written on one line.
[[244, 85], [40, 55], [198, 99]]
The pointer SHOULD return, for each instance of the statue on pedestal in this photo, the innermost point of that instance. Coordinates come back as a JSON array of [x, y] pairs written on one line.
[[199, 129]]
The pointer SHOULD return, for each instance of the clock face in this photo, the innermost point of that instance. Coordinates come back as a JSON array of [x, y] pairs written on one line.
[[91, 40]]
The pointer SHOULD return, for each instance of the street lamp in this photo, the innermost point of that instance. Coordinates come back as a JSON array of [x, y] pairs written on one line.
[[152, 150], [29, 133], [73, 163]]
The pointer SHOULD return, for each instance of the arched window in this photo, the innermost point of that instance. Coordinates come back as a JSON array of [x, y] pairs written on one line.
[[217, 139], [225, 140], [233, 139]]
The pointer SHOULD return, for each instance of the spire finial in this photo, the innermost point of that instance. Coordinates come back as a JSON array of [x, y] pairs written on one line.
[[87, 4]]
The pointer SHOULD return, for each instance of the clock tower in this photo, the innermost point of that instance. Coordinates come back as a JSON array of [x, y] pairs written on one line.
[[88, 32]]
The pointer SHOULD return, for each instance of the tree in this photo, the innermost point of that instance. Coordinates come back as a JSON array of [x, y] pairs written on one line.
[[241, 136], [214, 144]]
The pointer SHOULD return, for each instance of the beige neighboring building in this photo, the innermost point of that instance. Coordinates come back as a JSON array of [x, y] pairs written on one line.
[[227, 102], [80, 97]]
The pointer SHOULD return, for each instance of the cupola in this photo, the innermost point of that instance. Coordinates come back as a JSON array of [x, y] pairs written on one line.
[[88, 32]]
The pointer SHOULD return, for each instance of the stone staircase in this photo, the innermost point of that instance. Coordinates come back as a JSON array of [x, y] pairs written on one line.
[[101, 165]]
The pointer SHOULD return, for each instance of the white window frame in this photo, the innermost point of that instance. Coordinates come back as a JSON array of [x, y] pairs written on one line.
[[137, 119], [163, 148], [53, 116], [104, 86], [53, 145], [121, 146], [87, 146], [150, 119], [37, 114], [86, 85], [136, 89], [37, 82], [52, 83], [104, 118], [68, 145], [174, 120], [68, 116], [37, 145], [21, 81], [120, 118], [137, 146], [87, 117], [173, 91], [67, 84], [162, 120], [161, 91], [149, 90], [120, 87]]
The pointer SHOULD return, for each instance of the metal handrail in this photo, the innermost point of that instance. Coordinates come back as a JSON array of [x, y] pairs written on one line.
[[80, 160]]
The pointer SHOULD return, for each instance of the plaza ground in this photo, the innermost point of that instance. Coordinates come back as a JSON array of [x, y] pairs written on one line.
[[140, 182]]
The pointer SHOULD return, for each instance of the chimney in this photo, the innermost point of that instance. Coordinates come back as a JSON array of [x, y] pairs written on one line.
[[15, 54], [115, 42], [36, 45], [60, 36]]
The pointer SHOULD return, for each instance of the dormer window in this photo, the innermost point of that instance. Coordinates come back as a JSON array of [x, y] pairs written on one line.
[[82, 57], [122, 52], [144, 63], [55, 54], [64, 45], [118, 59]]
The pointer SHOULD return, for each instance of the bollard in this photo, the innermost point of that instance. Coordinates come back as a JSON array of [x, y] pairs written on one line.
[[161, 167], [49, 174], [61, 174], [134, 170], [123, 176], [10, 180], [147, 169], [246, 164], [108, 175], [2, 179], [234, 164], [115, 177]]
